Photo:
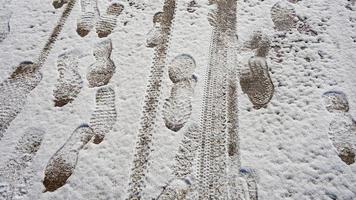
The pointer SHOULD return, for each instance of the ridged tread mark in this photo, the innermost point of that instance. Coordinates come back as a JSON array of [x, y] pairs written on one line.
[[248, 179], [107, 22], [257, 84], [69, 82], [62, 164], [104, 116], [212, 165], [26, 77], [89, 14], [187, 151], [14, 92], [151, 102], [103, 69], [14, 182]]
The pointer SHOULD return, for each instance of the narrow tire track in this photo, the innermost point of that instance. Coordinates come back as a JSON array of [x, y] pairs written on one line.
[[151, 102]]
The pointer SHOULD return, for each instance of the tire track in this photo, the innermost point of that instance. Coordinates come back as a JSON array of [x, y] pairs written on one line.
[[145, 133], [26, 77], [180, 186], [55, 33], [212, 158], [233, 148]]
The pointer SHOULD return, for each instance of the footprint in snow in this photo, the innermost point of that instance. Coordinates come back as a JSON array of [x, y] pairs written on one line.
[[342, 129]]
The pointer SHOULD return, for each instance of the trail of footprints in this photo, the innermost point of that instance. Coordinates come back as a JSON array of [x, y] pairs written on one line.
[[177, 108], [197, 146], [90, 17], [342, 129], [69, 82], [15, 177], [62, 164], [26, 77]]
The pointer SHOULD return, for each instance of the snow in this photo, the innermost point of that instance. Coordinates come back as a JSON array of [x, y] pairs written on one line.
[[286, 144]]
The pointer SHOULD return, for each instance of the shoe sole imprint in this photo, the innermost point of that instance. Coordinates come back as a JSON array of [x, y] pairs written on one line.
[[342, 133], [62, 164], [283, 16], [257, 84], [14, 93], [69, 82], [103, 69], [104, 116], [178, 108], [107, 22]]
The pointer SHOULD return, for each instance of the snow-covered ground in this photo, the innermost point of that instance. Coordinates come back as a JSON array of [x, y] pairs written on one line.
[[204, 99]]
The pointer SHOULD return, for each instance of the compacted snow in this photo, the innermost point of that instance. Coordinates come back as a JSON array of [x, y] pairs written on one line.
[[178, 99]]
